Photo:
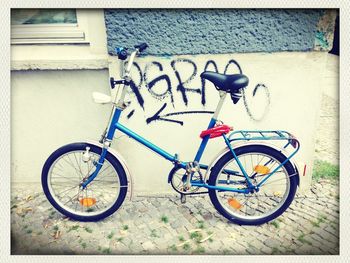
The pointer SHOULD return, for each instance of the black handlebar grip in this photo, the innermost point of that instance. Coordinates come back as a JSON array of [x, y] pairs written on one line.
[[141, 47]]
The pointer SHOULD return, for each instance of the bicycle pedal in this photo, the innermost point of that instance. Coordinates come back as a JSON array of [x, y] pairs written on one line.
[[183, 199]]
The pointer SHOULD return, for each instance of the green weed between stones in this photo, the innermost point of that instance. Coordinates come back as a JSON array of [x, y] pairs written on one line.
[[125, 227], [75, 228], [186, 247], [164, 219], [201, 224], [320, 219], [302, 239], [200, 250], [154, 233], [106, 250], [196, 236], [325, 170], [173, 248], [88, 229], [52, 213], [110, 235], [275, 224], [83, 245]]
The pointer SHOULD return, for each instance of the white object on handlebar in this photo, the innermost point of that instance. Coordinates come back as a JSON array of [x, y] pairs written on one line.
[[131, 60], [101, 98]]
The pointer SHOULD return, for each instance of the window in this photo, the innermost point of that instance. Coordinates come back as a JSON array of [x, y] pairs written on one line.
[[58, 39], [30, 26]]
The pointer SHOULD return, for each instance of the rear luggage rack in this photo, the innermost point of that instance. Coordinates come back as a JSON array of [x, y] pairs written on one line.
[[267, 136]]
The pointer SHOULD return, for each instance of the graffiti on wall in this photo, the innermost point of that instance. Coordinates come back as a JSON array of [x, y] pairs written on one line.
[[162, 87]]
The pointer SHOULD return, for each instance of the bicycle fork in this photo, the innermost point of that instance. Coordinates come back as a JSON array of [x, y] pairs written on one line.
[[97, 164]]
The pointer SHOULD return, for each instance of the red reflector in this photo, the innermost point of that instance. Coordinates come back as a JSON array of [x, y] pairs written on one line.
[[304, 173]]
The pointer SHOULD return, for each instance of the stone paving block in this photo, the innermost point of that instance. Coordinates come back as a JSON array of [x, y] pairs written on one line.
[[252, 250], [266, 250], [331, 230], [270, 242], [327, 236], [148, 245], [239, 249]]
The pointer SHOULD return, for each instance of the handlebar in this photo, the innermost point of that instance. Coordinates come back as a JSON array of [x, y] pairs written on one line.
[[122, 52], [141, 47], [123, 55]]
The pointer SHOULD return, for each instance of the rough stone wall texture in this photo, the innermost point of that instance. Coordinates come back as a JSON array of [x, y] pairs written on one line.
[[325, 30], [175, 32]]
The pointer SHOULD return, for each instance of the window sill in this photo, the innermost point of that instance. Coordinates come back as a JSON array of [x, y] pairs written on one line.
[[60, 64], [57, 57]]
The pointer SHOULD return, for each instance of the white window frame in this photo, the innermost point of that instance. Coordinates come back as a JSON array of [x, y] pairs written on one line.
[[52, 33]]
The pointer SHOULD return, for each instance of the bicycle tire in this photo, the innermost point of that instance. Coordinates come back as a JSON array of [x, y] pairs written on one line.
[[47, 176], [233, 215]]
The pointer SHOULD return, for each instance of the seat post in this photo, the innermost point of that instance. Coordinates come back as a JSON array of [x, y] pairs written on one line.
[[219, 106]]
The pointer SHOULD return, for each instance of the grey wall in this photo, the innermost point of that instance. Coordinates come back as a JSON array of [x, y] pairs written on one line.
[[175, 32]]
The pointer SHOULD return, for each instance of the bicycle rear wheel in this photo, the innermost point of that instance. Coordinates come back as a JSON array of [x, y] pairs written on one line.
[[63, 173], [273, 197]]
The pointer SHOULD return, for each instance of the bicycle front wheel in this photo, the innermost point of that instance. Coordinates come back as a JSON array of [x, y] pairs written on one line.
[[273, 197], [66, 169]]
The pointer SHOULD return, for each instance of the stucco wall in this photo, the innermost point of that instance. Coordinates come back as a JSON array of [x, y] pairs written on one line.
[[50, 109], [208, 31]]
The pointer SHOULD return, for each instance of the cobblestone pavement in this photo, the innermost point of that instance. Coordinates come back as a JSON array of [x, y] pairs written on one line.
[[162, 225]]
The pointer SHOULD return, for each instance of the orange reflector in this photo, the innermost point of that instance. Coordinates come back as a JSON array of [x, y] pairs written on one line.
[[234, 203], [261, 169], [277, 194], [87, 201]]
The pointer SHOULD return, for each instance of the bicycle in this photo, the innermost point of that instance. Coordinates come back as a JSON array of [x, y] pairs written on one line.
[[250, 182]]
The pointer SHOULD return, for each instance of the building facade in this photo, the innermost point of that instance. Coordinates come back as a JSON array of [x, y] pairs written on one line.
[[59, 58]]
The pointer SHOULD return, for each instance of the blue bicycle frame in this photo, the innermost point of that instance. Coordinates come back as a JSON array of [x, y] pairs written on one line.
[[115, 125], [244, 135]]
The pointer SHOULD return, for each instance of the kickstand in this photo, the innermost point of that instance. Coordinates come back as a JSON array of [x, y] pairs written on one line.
[[183, 199]]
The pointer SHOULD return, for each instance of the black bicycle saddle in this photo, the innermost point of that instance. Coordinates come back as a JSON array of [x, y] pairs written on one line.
[[229, 83]]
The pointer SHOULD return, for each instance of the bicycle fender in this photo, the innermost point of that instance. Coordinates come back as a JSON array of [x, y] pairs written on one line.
[[241, 143], [122, 161]]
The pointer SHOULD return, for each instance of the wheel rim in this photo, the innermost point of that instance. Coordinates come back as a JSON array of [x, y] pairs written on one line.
[[271, 196], [64, 178]]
